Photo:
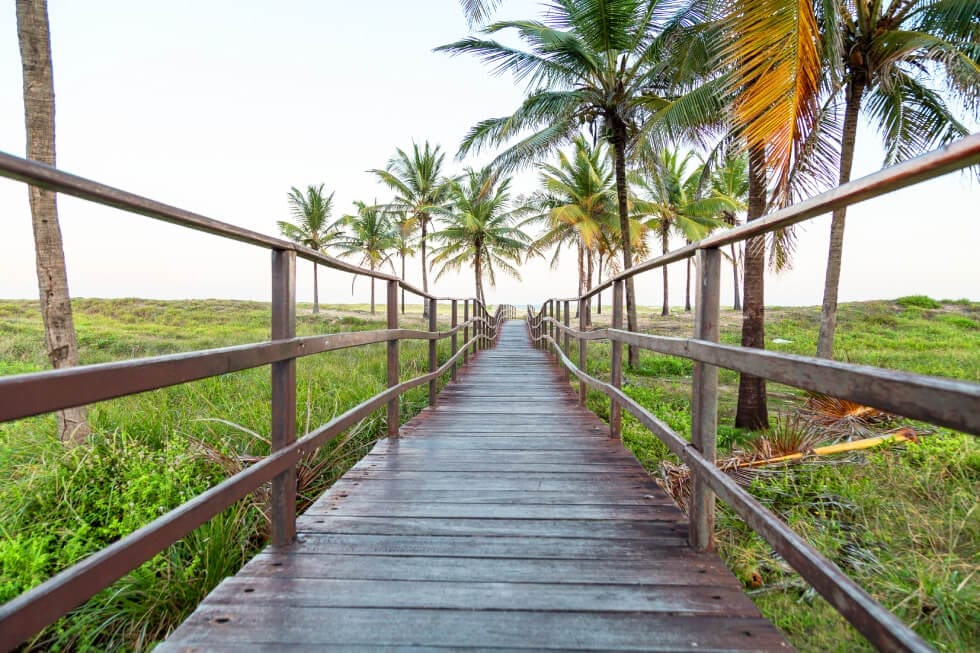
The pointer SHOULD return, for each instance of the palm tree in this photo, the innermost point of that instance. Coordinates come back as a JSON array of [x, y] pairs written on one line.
[[888, 58], [61, 343], [580, 201], [311, 212], [372, 236], [480, 230], [596, 62], [674, 203], [405, 243], [730, 183], [420, 190]]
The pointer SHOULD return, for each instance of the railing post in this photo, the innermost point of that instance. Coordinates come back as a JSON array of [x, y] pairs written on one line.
[[551, 326], [581, 348], [454, 342], [283, 497], [704, 402], [393, 368], [466, 331], [433, 306], [565, 319], [616, 365]]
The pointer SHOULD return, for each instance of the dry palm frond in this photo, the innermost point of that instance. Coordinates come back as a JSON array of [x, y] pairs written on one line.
[[843, 419], [745, 467], [789, 434]]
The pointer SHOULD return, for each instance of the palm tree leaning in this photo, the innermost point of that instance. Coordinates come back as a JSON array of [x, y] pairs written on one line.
[[675, 203], [59, 327], [480, 230], [372, 236], [311, 211], [888, 58], [588, 62], [420, 191], [892, 59]]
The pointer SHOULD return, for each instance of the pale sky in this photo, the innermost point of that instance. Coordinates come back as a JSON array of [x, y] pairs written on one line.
[[220, 107]]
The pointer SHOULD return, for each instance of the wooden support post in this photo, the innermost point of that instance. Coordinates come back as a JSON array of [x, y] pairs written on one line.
[[391, 309], [283, 497], [565, 319], [466, 331], [616, 364], [433, 307], [551, 325], [704, 402], [454, 342], [581, 349]]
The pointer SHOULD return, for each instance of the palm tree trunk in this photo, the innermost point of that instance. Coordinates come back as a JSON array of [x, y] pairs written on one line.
[[478, 271], [598, 295], [828, 312], [59, 327], [581, 274], [687, 286], [664, 244], [372, 295], [403, 279], [737, 305], [752, 411], [316, 292], [423, 221], [619, 159], [588, 286]]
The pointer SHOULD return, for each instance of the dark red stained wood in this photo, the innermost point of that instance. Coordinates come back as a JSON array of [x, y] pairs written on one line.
[[504, 519]]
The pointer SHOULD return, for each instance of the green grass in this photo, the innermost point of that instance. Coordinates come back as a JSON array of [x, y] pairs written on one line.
[[153, 451], [901, 520]]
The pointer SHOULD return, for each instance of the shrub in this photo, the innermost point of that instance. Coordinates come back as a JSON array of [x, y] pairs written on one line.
[[918, 301]]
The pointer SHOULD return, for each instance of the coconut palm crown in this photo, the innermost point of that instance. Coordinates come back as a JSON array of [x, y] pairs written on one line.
[[311, 212], [480, 230], [596, 63]]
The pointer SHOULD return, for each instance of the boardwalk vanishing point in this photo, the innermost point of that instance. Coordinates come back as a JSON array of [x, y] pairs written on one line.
[[504, 518]]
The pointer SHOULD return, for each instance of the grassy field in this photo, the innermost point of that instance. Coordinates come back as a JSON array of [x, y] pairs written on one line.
[[151, 452], [902, 520]]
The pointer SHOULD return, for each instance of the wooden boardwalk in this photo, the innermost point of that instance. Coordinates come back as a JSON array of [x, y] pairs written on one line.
[[503, 519]]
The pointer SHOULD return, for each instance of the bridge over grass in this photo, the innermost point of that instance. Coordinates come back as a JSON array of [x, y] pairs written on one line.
[[505, 515]]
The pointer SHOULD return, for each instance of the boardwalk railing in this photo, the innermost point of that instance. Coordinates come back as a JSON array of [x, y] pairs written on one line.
[[950, 403], [27, 395]]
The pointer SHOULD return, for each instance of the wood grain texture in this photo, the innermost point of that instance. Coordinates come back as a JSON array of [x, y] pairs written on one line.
[[504, 519]]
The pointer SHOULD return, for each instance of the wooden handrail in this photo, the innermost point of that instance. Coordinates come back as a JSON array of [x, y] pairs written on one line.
[[44, 176], [26, 395], [43, 392], [43, 605], [947, 402], [873, 620]]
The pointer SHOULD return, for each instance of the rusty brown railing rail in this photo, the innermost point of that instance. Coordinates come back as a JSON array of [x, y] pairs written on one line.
[[955, 404], [26, 395]]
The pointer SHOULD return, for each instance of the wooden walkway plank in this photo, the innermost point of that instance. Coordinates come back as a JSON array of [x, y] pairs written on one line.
[[503, 519]]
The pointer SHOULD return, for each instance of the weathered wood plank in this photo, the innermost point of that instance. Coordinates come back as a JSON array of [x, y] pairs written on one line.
[[669, 526], [675, 566], [503, 519], [552, 597], [246, 623]]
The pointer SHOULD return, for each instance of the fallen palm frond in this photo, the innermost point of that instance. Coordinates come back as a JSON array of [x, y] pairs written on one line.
[[745, 467], [843, 419]]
